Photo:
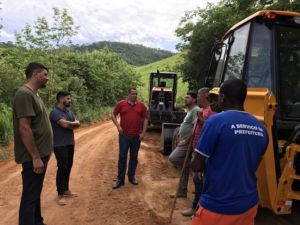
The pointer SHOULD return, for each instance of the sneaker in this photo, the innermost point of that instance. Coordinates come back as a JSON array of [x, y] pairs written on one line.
[[188, 212], [179, 195], [61, 200], [70, 194]]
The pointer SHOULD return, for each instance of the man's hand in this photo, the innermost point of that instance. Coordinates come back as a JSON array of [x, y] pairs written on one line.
[[200, 116], [38, 166], [142, 135], [120, 130], [183, 142], [76, 123], [197, 162], [115, 121]]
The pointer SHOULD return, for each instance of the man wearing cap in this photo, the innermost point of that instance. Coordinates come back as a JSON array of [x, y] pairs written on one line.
[[229, 152]]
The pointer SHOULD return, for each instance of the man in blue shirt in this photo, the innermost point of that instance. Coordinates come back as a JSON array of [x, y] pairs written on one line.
[[229, 152], [63, 123]]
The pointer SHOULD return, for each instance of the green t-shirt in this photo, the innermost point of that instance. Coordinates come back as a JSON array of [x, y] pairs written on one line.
[[188, 122], [28, 104]]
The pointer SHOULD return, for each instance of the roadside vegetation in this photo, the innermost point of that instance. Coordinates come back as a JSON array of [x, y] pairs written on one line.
[[133, 54]]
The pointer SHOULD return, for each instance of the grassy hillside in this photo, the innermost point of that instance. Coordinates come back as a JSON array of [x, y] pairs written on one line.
[[133, 54], [170, 64]]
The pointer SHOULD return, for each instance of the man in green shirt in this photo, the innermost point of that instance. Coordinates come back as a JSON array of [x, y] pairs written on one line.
[[33, 142], [185, 132]]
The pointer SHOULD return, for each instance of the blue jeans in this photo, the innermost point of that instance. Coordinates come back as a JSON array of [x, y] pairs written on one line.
[[198, 189], [126, 143], [30, 206]]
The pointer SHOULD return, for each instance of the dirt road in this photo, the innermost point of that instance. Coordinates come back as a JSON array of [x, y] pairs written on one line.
[[93, 174]]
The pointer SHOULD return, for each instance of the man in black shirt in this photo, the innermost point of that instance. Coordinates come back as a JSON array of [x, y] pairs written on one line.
[[63, 123]]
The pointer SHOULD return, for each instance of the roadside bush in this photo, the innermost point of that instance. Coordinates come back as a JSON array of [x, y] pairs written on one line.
[[96, 81], [94, 115], [6, 130]]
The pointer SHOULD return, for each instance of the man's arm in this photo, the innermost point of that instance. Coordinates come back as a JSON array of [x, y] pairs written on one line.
[[145, 125], [115, 121], [200, 116], [186, 140], [28, 140], [197, 162], [68, 124]]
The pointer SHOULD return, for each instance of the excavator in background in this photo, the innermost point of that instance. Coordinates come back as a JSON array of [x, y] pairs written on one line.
[[264, 51], [162, 106]]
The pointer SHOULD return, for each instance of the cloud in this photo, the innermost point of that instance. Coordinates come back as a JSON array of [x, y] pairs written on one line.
[[6, 36], [148, 22]]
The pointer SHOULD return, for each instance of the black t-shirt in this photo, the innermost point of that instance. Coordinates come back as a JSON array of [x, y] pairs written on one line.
[[62, 136]]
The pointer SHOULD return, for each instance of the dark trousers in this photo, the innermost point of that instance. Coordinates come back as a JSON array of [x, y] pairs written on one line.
[[177, 158], [126, 143], [64, 157], [30, 206], [198, 182]]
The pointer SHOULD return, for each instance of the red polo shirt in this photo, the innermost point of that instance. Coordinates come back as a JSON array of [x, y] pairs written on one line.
[[132, 116]]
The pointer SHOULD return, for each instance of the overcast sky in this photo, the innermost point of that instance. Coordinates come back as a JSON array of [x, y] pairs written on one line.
[[151, 23]]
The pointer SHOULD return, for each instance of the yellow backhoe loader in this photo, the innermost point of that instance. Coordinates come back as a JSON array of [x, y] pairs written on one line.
[[264, 51]]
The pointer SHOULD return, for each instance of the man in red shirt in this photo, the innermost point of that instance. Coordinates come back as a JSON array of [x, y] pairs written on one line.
[[132, 128]]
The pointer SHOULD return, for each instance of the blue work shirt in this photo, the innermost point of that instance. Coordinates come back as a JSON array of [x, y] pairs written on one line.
[[62, 136], [233, 143]]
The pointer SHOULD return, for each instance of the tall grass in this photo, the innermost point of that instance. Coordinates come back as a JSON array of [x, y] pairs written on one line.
[[5, 154], [94, 115], [6, 130]]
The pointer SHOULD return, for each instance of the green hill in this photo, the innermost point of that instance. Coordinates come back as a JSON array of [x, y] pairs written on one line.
[[133, 54], [170, 64]]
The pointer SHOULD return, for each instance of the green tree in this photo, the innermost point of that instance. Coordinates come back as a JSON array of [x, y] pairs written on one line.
[[46, 37], [63, 28], [198, 38], [133, 54]]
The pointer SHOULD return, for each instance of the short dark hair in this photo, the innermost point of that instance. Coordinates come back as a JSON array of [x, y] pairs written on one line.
[[130, 89], [235, 90], [203, 90], [32, 67], [192, 94], [62, 94]]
